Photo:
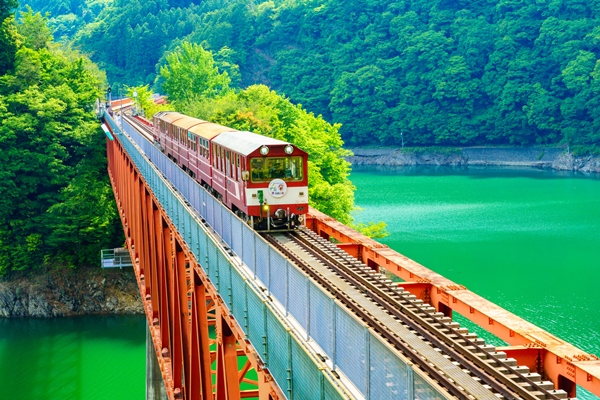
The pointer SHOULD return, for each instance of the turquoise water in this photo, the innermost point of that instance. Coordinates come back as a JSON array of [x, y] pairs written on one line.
[[83, 358], [528, 240]]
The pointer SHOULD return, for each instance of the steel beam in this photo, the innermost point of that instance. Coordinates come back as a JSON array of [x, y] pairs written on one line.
[[562, 363], [178, 298]]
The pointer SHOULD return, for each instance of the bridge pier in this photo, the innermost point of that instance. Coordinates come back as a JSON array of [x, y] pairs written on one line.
[[155, 387]]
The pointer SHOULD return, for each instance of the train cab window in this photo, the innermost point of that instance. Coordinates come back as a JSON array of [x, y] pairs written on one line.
[[268, 168]]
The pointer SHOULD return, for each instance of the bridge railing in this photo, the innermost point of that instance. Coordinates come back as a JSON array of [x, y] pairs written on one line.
[[374, 368], [115, 258]]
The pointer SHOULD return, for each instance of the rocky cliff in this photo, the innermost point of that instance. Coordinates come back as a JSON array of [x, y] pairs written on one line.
[[539, 157], [67, 292]]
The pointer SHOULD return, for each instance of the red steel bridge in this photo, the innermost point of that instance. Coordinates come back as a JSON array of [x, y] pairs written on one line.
[[308, 315]]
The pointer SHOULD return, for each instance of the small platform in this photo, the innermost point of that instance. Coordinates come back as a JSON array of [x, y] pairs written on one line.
[[115, 258]]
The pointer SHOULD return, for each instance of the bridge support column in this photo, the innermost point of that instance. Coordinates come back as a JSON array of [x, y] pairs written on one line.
[[155, 387]]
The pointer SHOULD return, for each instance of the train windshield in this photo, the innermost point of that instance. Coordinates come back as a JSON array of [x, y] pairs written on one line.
[[266, 169]]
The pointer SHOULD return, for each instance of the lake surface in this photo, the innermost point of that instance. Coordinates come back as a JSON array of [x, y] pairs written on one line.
[[82, 358], [528, 240]]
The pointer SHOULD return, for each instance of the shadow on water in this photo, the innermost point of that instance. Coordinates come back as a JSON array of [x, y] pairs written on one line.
[[45, 358], [473, 172]]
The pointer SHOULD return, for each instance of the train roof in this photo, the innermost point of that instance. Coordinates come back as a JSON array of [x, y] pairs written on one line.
[[209, 130], [204, 129], [169, 116], [245, 142], [186, 122]]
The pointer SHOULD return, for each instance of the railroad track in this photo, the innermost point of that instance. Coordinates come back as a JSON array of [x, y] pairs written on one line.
[[460, 362], [143, 129]]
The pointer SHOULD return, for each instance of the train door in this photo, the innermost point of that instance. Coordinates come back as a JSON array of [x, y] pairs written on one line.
[[227, 172], [233, 174]]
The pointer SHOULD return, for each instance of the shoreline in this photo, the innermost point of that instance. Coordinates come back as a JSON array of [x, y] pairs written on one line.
[[529, 157], [66, 292]]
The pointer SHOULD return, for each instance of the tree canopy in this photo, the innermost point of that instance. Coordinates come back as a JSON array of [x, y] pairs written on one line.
[[56, 206], [442, 72], [205, 94]]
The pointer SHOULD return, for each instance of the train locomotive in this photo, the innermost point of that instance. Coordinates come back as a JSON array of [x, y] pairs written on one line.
[[263, 180]]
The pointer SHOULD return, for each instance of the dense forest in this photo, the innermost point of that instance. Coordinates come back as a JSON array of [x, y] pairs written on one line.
[[438, 72], [56, 207]]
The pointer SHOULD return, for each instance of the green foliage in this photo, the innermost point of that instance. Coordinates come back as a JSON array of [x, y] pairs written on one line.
[[8, 36], [127, 38], [56, 205], [191, 75], [34, 30], [586, 150], [444, 73], [263, 111], [374, 230], [145, 104]]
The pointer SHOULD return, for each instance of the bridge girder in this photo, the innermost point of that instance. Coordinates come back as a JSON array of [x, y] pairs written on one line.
[[181, 304]]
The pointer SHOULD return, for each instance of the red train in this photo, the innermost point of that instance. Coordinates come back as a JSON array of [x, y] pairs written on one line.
[[263, 180]]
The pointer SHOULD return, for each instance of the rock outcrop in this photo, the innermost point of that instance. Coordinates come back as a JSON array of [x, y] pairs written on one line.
[[566, 162], [67, 292]]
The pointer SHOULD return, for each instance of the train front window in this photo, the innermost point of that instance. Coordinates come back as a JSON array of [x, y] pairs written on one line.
[[266, 169]]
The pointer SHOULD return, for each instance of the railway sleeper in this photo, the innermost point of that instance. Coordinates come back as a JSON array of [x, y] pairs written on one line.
[[534, 377], [453, 325], [477, 341], [478, 351], [546, 385], [561, 394]]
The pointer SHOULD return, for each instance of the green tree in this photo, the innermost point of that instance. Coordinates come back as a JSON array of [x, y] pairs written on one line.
[[191, 74], [57, 207], [8, 45], [34, 29], [263, 111], [145, 101]]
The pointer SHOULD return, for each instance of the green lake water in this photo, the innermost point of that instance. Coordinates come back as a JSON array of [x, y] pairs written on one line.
[[82, 358], [527, 240]]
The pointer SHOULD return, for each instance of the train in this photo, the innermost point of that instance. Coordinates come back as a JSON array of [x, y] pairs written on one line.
[[262, 180]]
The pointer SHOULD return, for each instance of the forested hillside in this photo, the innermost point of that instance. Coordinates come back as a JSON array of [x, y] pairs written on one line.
[[441, 72], [56, 204]]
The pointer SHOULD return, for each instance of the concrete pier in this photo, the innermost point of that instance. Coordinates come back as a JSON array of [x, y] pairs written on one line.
[[155, 387]]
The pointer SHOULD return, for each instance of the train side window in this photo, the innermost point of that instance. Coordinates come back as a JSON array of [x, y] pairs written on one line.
[[222, 160], [227, 169]]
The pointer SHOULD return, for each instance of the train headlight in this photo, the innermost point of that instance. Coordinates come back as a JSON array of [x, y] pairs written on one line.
[[265, 207], [264, 150], [288, 149]]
